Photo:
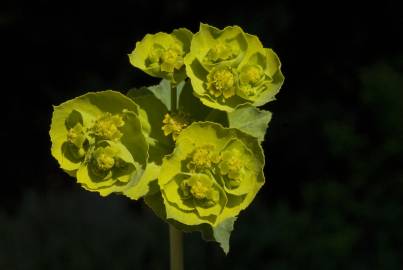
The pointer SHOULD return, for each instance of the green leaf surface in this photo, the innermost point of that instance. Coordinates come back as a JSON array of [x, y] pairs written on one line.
[[192, 105], [250, 120], [145, 184], [222, 233], [162, 91], [152, 111]]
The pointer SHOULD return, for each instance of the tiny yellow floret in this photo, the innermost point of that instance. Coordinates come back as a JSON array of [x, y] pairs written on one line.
[[169, 59], [107, 127], [220, 52], [105, 162], [199, 191], [251, 74], [221, 82], [76, 136], [249, 78], [174, 123], [232, 166], [104, 158], [203, 157]]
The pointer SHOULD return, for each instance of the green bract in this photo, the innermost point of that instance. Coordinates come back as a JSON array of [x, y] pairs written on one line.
[[161, 55], [212, 175], [229, 68], [99, 139]]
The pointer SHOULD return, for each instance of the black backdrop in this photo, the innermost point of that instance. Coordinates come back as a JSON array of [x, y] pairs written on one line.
[[334, 147]]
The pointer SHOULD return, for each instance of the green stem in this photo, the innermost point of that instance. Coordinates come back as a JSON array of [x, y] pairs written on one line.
[[175, 236], [176, 248], [174, 97]]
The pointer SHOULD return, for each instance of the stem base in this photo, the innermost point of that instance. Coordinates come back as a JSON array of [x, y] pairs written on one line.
[[176, 248]]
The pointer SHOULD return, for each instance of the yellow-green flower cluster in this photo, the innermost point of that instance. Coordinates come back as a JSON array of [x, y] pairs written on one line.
[[212, 175], [162, 55], [174, 123], [229, 68], [98, 139], [113, 143]]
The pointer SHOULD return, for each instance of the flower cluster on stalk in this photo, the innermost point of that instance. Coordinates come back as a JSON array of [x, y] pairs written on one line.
[[190, 145]]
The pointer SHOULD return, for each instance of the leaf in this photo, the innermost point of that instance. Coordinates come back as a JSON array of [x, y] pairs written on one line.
[[156, 203], [145, 183], [250, 120], [192, 105], [162, 91], [151, 113], [222, 233]]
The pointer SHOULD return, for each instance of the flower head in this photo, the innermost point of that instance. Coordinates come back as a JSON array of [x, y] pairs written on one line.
[[213, 174], [98, 139], [229, 68], [162, 55]]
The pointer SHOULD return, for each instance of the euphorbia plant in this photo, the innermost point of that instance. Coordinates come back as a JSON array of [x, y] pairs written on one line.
[[190, 146]]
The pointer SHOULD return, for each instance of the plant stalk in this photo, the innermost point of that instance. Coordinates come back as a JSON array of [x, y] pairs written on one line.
[[174, 97], [175, 236], [176, 248]]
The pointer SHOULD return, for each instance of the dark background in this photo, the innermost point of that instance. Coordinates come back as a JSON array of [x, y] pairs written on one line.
[[333, 197]]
